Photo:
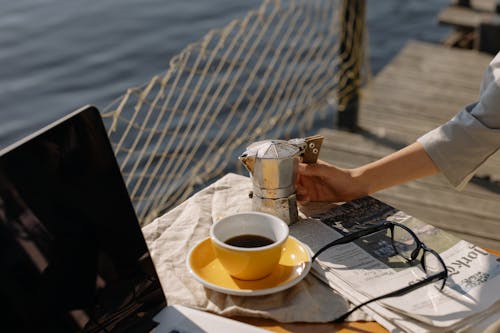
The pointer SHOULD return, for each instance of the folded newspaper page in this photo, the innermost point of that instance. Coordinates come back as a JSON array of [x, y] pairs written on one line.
[[369, 267]]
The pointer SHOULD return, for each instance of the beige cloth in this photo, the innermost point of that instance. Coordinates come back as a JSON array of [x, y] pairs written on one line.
[[171, 236]]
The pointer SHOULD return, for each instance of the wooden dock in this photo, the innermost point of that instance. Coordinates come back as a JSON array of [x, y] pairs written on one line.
[[476, 24], [424, 86]]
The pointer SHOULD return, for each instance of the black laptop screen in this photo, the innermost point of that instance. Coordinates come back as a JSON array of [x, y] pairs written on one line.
[[72, 255]]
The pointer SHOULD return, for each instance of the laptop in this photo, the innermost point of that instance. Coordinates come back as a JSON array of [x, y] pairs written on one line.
[[72, 254]]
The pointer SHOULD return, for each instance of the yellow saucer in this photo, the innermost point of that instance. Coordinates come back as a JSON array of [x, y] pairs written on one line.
[[294, 265]]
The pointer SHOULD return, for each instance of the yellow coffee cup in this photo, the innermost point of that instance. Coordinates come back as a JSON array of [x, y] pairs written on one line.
[[249, 245]]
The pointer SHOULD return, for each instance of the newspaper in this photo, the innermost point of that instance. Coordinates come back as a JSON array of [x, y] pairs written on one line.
[[368, 268]]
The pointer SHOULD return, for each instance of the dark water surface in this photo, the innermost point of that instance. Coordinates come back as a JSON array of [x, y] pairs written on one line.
[[57, 55]]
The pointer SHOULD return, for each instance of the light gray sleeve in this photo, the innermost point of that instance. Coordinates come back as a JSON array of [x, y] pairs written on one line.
[[460, 146]]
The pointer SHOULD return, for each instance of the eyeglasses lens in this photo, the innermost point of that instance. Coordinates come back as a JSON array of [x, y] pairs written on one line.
[[404, 243], [433, 266]]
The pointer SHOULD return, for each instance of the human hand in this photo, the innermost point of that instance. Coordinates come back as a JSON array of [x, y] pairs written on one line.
[[322, 181], [325, 182]]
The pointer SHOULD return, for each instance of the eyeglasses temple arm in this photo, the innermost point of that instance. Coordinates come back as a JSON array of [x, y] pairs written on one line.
[[399, 292], [350, 237]]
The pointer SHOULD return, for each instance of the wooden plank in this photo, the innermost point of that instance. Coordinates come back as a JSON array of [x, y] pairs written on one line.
[[436, 55], [491, 6], [454, 202], [444, 221], [465, 17], [460, 17], [418, 93], [413, 78]]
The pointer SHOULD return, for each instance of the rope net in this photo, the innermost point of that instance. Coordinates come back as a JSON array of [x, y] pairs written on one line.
[[276, 73]]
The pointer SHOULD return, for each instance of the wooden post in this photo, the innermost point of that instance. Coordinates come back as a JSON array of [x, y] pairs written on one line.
[[351, 61], [489, 32]]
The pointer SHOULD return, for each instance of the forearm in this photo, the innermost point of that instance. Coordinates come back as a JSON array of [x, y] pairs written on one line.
[[409, 163]]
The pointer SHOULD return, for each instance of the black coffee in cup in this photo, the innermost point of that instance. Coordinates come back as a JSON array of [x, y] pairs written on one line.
[[249, 241]]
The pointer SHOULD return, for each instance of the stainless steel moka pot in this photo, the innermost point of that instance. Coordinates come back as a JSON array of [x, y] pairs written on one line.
[[272, 165]]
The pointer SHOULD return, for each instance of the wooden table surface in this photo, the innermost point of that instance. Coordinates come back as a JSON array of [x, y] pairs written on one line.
[[347, 327]]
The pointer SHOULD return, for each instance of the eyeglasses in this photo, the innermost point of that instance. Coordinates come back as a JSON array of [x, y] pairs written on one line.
[[407, 245]]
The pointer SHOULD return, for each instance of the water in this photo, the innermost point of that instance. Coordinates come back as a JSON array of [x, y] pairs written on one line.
[[58, 55]]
